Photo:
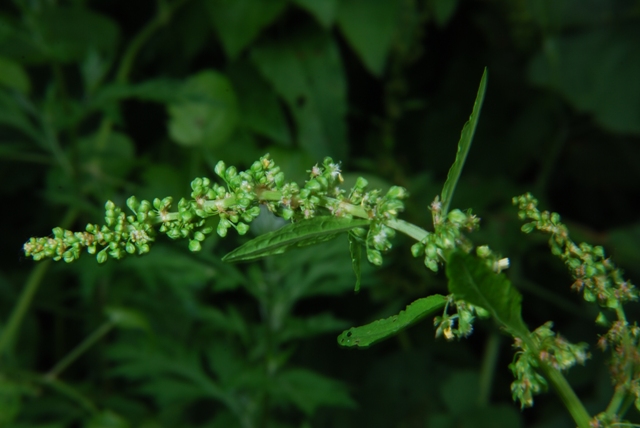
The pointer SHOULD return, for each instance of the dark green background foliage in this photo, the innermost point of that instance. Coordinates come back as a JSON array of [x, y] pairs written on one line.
[[104, 99]]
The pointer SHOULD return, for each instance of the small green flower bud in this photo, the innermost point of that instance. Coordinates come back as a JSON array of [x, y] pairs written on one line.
[[109, 206], [602, 320], [133, 204], [431, 264], [234, 218], [130, 248], [223, 225], [313, 185], [417, 249], [279, 179], [287, 213], [199, 236], [483, 251], [431, 251], [102, 256], [220, 168], [231, 172], [186, 215], [242, 228], [374, 256], [397, 192], [324, 183], [144, 248], [173, 234], [361, 183], [528, 227], [194, 245], [456, 216], [256, 166]]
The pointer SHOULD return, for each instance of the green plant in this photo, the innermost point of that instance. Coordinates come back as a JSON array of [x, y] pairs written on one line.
[[320, 210]]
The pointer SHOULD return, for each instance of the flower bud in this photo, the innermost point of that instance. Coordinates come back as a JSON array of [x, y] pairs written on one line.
[[374, 256], [417, 249], [242, 228], [194, 245], [220, 168]]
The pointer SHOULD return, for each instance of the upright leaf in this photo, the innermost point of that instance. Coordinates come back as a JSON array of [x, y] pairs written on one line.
[[305, 232], [367, 335], [471, 280], [463, 147]]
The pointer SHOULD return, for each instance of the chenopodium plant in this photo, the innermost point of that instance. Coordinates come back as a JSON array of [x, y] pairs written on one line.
[[322, 209]]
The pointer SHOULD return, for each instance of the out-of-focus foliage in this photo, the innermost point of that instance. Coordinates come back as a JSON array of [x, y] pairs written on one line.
[[104, 99]]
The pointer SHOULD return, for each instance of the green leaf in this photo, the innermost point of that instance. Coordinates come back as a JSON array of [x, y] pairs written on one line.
[[207, 113], [13, 76], [366, 335], [323, 10], [70, 33], [463, 147], [607, 88], [107, 419], [239, 22], [305, 232], [443, 10], [369, 27], [309, 390], [471, 280], [356, 256], [260, 110], [306, 70]]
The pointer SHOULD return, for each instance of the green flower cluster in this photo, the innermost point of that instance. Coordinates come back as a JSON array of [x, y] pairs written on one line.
[[460, 323], [448, 235], [236, 205], [551, 349], [594, 274]]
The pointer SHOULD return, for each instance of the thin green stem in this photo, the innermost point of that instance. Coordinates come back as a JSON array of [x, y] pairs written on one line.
[[28, 292], [63, 389], [76, 352], [487, 371]]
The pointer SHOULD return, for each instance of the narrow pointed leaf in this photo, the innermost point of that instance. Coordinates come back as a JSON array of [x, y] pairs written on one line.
[[471, 280], [366, 335], [305, 232], [464, 145], [356, 256]]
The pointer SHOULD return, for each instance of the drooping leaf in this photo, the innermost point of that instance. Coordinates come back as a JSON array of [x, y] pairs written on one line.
[[323, 10], [305, 232], [207, 112], [366, 335], [471, 280], [356, 257], [463, 147], [307, 72], [369, 27], [239, 22]]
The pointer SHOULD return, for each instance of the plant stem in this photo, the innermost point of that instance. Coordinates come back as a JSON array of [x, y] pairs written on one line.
[[489, 361], [87, 343], [568, 396], [33, 282]]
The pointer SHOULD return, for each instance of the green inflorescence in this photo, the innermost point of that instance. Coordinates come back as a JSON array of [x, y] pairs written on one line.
[[236, 204]]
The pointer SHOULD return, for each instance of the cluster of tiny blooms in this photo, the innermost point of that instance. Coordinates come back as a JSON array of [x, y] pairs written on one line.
[[594, 274], [235, 204], [552, 350], [459, 324], [447, 235]]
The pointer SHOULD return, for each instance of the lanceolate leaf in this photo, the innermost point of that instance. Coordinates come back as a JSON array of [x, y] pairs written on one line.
[[367, 335], [305, 232], [356, 256], [463, 147], [471, 280]]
